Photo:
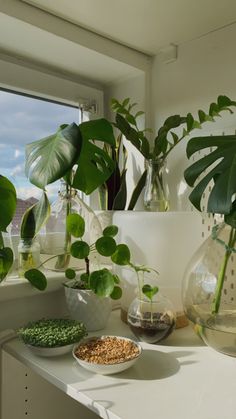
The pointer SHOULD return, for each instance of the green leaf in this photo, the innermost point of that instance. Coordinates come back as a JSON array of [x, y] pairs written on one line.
[[116, 293], [70, 273], [84, 278], [75, 225], [111, 231], [99, 130], [189, 121], [139, 113], [121, 197], [94, 168], [231, 218], [175, 137], [35, 217], [106, 246], [122, 255], [80, 249], [131, 134], [125, 102], [6, 261], [102, 282], [37, 279], [224, 101], [50, 158], [7, 202], [223, 173], [149, 291], [137, 190]]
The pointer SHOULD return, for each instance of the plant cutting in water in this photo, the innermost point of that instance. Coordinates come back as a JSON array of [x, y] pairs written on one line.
[[218, 167], [150, 292], [158, 148]]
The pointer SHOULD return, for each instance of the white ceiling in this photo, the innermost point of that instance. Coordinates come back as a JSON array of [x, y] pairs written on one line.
[[145, 25]]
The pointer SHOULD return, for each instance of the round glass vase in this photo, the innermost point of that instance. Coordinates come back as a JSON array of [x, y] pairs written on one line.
[[209, 290], [28, 255], [156, 191], [151, 321]]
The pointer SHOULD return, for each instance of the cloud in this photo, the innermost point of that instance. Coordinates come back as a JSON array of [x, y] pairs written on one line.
[[18, 170]]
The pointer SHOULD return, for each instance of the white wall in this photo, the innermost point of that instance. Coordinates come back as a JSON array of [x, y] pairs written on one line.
[[204, 69]]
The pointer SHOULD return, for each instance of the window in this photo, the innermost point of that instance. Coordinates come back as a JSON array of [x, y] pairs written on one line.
[[25, 119]]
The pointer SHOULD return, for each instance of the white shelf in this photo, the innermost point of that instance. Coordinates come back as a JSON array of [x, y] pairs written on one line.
[[179, 379]]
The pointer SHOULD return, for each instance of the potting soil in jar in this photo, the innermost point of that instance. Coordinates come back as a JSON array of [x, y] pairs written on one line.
[[152, 330]]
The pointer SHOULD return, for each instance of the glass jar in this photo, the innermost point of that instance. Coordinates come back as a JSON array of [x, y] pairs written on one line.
[[55, 240], [28, 255], [156, 192], [151, 321], [209, 290]]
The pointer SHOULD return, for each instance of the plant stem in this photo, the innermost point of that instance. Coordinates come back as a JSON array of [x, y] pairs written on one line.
[[221, 274], [1, 241], [63, 260], [87, 265]]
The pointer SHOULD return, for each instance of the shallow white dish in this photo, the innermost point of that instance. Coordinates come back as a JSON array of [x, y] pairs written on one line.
[[106, 369], [56, 351]]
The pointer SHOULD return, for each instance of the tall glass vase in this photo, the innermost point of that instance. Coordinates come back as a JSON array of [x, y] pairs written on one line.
[[156, 192], [55, 239], [209, 290]]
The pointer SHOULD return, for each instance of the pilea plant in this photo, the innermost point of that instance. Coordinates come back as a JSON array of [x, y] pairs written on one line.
[[160, 146], [7, 210]]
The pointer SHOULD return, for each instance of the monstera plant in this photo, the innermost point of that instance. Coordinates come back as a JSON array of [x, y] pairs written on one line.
[[7, 210], [72, 154]]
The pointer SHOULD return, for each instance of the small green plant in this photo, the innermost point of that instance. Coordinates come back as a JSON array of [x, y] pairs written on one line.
[[51, 333], [150, 292]]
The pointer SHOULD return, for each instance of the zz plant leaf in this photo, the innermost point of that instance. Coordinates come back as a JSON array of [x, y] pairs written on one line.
[[36, 278], [35, 217]]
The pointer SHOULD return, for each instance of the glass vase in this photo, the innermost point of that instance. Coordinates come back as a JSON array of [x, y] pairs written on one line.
[[151, 321], [156, 192], [55, 240], [209, 290], [28, 255]]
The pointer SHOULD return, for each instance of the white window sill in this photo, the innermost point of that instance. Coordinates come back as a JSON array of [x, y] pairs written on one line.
[[12, 288]]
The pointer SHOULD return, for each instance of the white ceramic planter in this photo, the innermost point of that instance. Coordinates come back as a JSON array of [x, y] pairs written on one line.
[[85, 306], [162, 240]]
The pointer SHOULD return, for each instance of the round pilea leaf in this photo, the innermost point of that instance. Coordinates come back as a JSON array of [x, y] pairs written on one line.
[[80, 249], [102, 282], [110, 231], [116, 293], [75, 225], [36, 278], [106, 246], [70, 273], [122, 255]]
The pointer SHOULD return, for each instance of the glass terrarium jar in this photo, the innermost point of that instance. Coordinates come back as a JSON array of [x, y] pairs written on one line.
[[55, 240], [209, 290], [151, 321], [28, 255], [156, 192]]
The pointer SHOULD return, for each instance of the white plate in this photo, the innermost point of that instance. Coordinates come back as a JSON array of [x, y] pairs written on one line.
[[59, 350], [106, 369]]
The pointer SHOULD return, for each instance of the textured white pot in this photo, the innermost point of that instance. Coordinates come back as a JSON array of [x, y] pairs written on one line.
[[85, 306], [162, 240]]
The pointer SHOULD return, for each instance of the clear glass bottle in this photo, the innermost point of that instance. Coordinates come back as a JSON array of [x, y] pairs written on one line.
[[156, 192], [151, 321], [28, 255], [209, 290], [55, 240]]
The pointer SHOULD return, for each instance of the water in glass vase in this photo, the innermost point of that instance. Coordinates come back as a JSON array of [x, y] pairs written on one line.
[[217, 331]]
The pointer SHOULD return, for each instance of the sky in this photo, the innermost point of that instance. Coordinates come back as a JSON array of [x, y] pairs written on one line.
[[22, 121]]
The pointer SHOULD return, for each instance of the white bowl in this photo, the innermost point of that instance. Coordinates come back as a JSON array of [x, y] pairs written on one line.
[[56, 351], [106, 369]]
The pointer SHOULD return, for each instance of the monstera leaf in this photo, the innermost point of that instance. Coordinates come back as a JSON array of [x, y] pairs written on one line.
[[51, 158], [7, 202], [48, 159], [221, 168], [94, 164], [35, 217]]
